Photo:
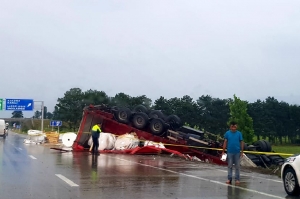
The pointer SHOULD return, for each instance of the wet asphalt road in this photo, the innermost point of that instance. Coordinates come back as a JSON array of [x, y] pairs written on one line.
[[36, 172]]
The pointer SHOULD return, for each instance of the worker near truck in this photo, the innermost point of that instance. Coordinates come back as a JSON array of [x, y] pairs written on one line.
[[96, 130], [234, 144]]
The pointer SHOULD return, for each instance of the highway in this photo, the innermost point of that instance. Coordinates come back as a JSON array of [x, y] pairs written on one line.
[[37, 172]]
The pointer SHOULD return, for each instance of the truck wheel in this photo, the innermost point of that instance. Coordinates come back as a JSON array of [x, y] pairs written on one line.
[[276, 159], [269, 147], [251, 147], [261, 146], [255, 159], [245, 147], [174, 121], [157, 114], [140, 120], [123, 115], [140, 108], [157, 126], [266, 159], [114, 109], [290, 181]]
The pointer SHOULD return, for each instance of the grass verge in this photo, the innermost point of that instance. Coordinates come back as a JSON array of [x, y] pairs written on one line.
[[289, 149]]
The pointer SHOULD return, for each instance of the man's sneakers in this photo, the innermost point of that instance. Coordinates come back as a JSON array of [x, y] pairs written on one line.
[[237, 182]]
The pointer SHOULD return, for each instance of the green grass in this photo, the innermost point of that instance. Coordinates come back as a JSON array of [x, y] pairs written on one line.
[[288, 149]]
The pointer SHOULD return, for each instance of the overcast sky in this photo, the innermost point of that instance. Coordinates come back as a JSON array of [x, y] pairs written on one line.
[[146, 47]]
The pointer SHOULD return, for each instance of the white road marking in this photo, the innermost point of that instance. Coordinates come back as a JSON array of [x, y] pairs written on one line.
[[204, 179], [69, 182], [32, 157], [20, 149], [255, 177]]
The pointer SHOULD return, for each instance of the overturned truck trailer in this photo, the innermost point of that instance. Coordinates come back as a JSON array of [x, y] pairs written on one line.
[[153, 125], [147, 126]]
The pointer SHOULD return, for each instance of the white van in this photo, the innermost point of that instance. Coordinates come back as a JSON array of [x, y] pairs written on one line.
[[3, 132]]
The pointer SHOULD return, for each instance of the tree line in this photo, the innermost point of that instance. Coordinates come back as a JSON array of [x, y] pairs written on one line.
[[266, 119]]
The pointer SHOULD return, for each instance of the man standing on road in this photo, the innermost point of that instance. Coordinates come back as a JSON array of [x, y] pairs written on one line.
[[96, 130], [235, 145]]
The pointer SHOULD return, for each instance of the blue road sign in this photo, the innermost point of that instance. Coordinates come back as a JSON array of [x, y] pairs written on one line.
[[55, 123], [19, 104]]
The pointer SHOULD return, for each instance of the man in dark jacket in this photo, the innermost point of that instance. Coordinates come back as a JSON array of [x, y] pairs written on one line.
[[96, 130]]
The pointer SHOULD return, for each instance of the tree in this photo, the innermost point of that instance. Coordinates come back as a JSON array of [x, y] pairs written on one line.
[[69, 108], [257, 112], [17, 114], [186, 109], [121, 99], [238, 113], [213, 114], [37, 114], [95, 97], [295, 124], [143, 99], [49, 115], [163, 105], [45, 112]]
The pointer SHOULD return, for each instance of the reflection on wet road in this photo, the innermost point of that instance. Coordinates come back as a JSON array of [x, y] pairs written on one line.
[[36, 172]]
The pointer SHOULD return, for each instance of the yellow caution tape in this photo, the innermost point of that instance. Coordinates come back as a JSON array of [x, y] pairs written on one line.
[[218, 149]]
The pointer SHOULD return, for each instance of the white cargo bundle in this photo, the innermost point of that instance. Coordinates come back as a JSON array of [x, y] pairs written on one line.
[[68, 139], [34, 132], [106, 141], [151, 143], [126, 141]]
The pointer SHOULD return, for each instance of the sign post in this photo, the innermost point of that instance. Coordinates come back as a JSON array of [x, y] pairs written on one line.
[[55, 123], [42, 118], [1, 104]]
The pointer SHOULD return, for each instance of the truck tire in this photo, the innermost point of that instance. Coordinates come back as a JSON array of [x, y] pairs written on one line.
[[140, 108], [157, 114], [114, 109], [276, 159], [261, 146], [255, 159], [269, 147], [174, 122], [157, 126], [140, 120], [245, 147], [266, 159], [123, 115]]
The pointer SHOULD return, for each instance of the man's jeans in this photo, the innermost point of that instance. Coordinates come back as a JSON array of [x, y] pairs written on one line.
[[233, 158]]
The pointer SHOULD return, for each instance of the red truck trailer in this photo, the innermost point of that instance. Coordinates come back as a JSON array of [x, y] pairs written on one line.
[[149, 126], [155, 126]]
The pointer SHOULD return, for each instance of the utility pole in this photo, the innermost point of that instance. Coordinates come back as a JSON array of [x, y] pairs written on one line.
[[42, 119], [42, 125]]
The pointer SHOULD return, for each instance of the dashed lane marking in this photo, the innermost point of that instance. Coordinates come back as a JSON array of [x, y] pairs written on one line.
[[32, 157], [68, 181]]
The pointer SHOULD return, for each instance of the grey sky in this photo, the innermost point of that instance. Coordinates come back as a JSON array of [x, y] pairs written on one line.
[[158, 48]]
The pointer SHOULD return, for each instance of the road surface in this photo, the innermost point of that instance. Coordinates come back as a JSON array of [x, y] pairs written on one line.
[[37, 172]]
